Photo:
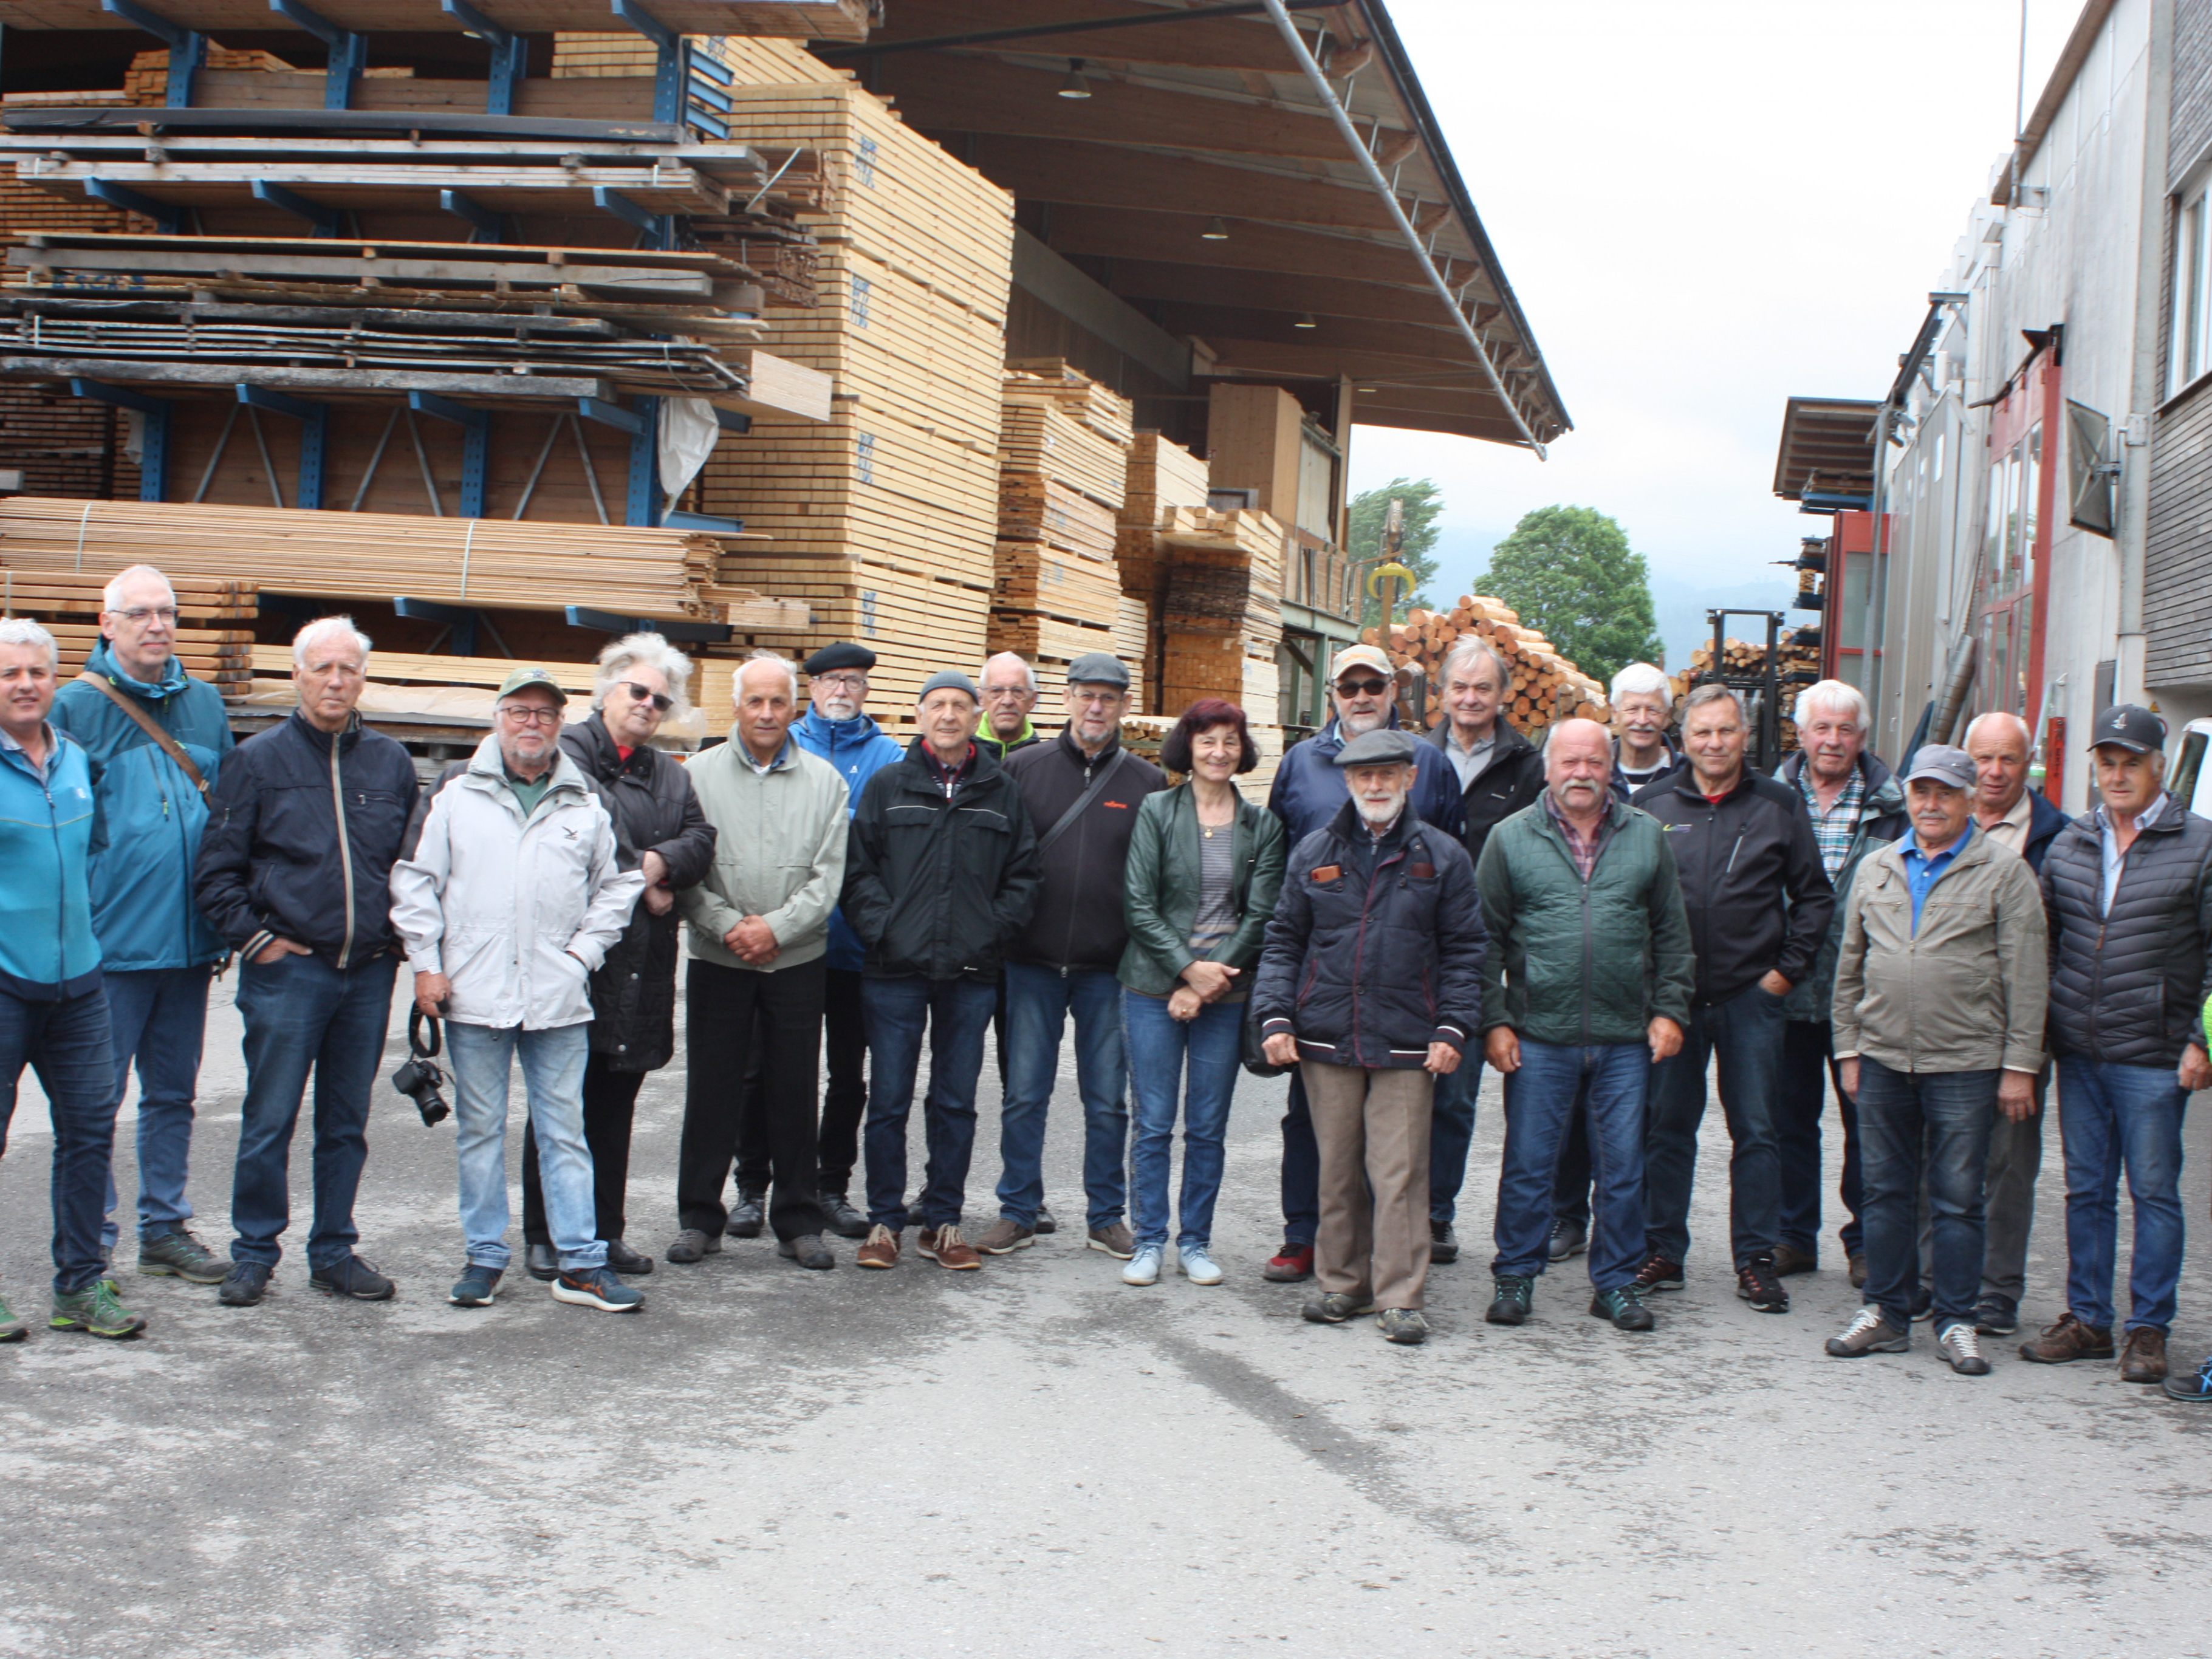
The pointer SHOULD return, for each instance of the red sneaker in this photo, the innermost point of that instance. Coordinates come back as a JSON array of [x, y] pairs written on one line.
[[1289, 1265]]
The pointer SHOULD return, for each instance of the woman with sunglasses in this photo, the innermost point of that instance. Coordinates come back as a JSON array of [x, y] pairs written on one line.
[[657, 820], [1204, 866]]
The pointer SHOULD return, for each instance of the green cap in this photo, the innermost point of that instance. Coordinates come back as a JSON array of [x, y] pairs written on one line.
[[523, 678]]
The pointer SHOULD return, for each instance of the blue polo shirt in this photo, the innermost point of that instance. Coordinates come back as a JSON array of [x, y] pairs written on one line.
[[1922, 872]]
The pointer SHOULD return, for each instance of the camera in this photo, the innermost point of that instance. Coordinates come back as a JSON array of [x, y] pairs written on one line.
[[420, 1079]]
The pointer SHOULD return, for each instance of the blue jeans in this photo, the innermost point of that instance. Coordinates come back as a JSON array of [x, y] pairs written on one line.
[[1038, 1002], [159, 1019], [483, 1059], [66, 1044], [302, 1015], [1746, 1033], [955, 1012], [2113, 1117], [1607, 1081], [1197, 1060], [1900, 1114], [1451, 1132]]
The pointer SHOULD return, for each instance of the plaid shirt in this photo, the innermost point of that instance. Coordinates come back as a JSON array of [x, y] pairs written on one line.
[[1584, 853], [1834, 826]]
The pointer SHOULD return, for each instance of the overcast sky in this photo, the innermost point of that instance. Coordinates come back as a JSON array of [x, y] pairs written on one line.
[[1705, 207]]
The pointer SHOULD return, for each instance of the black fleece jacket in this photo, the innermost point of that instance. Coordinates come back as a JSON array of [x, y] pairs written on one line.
[[1077, 923]]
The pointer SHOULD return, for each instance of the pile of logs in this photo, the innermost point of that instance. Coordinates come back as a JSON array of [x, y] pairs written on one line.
[[1546, 687]]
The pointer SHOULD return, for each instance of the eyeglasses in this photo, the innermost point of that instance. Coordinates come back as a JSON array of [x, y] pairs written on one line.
[[1362, 688], [523, 713], [845, 682], [640, 694], [139, 615]]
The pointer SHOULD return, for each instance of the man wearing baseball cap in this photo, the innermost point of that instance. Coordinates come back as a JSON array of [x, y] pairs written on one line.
[[2128, 890], [1938, 1013]]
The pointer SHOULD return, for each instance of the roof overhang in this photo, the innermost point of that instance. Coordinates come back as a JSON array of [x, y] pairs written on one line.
[[821, 20], [1826, 459]]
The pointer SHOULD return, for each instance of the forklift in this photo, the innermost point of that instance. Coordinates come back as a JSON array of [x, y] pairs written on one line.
[[1762, 689]]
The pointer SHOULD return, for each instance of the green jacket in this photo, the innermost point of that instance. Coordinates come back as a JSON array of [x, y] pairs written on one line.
[[1574, 962], [779, 853], [1160, 890]]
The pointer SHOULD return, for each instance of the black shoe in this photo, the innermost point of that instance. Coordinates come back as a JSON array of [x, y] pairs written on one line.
[[626, 1261], [352, 1277], [914, 1215], [1996, 1315], [244, 1285], [1044, 1224], [748, 1217], [844, 1220], [1444, 1243], [1756, 1283], [542, 1262], [1568, 1238], [807, 1250], [1509, 1301], [1923, 1305], [1624, 1307]]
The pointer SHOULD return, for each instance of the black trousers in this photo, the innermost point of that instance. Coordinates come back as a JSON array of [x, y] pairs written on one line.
[[610, 1105], [732, 1016], [844, 1101]]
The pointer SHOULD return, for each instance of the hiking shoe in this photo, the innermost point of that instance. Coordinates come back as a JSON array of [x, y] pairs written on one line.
[[1144, 1267], [1757, 1283], [844, 1220], [542, 1262], [12, 1329], [2195, 1387], [477, 1286], [807, 1250], [882, 1249], [747, 1216], [351, 1276], [179, 1256], [1961, 1348], [1510, 1297], [1658, 1274], [1045, 1223], [689, 1246], [1568, 1239], [1857, 1264], [1995, 1314], [2069, 1338], [596, 1287], [1289, 1265], [1005, 1236], [1790, 1262], [244, 1284], [1198, 1264], [1443, 1243], [2143, 1358], [1116, 1239], [94, 1310], [944, 1246], [1334, 1307], [1924, 1304], [1407, 1325], [626, 1261], [1624, 1307], [1869, 1332]]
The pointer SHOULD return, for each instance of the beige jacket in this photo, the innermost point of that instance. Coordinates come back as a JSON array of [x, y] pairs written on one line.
[[1967, 993], [779, 853]]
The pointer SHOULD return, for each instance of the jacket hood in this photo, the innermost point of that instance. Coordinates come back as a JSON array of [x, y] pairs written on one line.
[[102, 662]]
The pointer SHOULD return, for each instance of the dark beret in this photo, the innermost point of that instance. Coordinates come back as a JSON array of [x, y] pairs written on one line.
[[843, 654]]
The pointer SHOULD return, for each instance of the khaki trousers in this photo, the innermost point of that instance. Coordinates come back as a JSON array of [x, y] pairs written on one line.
[[1373, 1131]]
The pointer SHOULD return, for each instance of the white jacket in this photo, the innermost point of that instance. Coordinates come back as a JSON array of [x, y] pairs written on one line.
[[516, 914]]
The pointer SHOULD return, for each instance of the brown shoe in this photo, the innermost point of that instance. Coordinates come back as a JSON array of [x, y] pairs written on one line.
[[2069, 1338], [1790, 1261], [1858, 1272], [944, 1246], [2144, 1360], [1005, 1236], [1117, 1240], [882, 1249]]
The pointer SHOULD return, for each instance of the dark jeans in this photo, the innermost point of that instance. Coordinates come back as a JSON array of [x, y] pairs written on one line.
[[1040, 1002], [844, 1100], [1557, 1082], [2114, 1118], [954, 1013], [159, 1019], [610, 1106], [728, 1012], [1807, 1067], [1451, 1132], [1913, 1125], [68, 1044], [1301, 1168], [2008, 1200], [1745, 1034], [302, 1015]]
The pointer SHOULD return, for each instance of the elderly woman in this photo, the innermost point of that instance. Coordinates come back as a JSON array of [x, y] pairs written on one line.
[[1204, 866], [657, 818]]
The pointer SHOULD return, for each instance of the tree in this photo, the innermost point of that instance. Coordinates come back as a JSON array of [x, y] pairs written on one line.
[[1424, 504], [1569, 572]]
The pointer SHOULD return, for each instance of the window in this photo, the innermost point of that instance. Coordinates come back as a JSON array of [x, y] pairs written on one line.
[[2189, 348]]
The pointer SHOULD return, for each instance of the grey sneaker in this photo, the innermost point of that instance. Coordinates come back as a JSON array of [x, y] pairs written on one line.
[[1117, 1240], [1406, 1325], [1198, 1264], [1869, 1332], [1144, 1267], [1961, 1349], [1006, 1235], [692, 1245], [179, 1256], [94, 1310], [1334, 1307]]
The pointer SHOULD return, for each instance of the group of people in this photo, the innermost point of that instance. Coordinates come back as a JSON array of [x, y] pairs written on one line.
[[1607, 923]]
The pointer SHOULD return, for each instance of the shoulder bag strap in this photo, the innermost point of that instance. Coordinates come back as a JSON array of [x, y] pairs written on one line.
[[167, 744], [1091, 792]]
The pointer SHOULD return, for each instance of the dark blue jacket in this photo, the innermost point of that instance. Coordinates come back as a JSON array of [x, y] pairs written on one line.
[[2044, 821], [1309, 787], [47, 950], [858, 749]]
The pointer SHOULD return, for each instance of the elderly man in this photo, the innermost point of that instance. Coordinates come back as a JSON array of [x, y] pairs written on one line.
[[1939, 1000], [1307, 795], [157, 738], [1587, 986], [1856, 807], [54, 1013], [1010, 697], [1081, 791], [940, 876], [1759, 903], [760, 928], [509, 902], [1643, 702], [1372, 981], [2128, 893], [295, 871]]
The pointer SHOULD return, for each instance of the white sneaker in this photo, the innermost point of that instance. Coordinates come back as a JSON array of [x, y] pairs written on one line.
[[1198, 1265], [1144, 1267]]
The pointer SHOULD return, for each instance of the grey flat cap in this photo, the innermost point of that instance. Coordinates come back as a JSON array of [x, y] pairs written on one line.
[[1384, 746], [948, 676], [1099, 668], [1938, 762]]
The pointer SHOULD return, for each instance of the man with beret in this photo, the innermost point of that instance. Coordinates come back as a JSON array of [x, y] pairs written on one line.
[[940, 876], [1082, 790], [1371, 983]]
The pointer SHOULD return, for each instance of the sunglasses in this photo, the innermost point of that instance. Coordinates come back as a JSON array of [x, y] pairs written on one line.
[[638, 692], [1368, 688]]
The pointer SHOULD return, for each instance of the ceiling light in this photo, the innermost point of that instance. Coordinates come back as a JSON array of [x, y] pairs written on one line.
[[1217, 230], [1306, 321], [1075, 86]]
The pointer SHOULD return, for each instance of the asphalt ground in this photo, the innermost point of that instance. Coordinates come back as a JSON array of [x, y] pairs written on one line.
[[1036, 1459]]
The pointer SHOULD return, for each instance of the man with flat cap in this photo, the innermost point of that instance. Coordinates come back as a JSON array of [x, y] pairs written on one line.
[[1371, 983], [1082, 790], [940, 875]]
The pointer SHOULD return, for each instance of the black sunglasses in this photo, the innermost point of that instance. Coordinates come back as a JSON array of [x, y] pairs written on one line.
[[664, 704], [1362, 688]]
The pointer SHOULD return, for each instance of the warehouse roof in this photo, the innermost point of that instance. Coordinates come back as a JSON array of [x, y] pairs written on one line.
[[1827, 450], [840, 19]]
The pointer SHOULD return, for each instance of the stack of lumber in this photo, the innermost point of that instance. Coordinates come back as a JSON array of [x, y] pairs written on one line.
[[214, 631], [1221, 614], [1163, 476], [1546, 687], [1797, 665]]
